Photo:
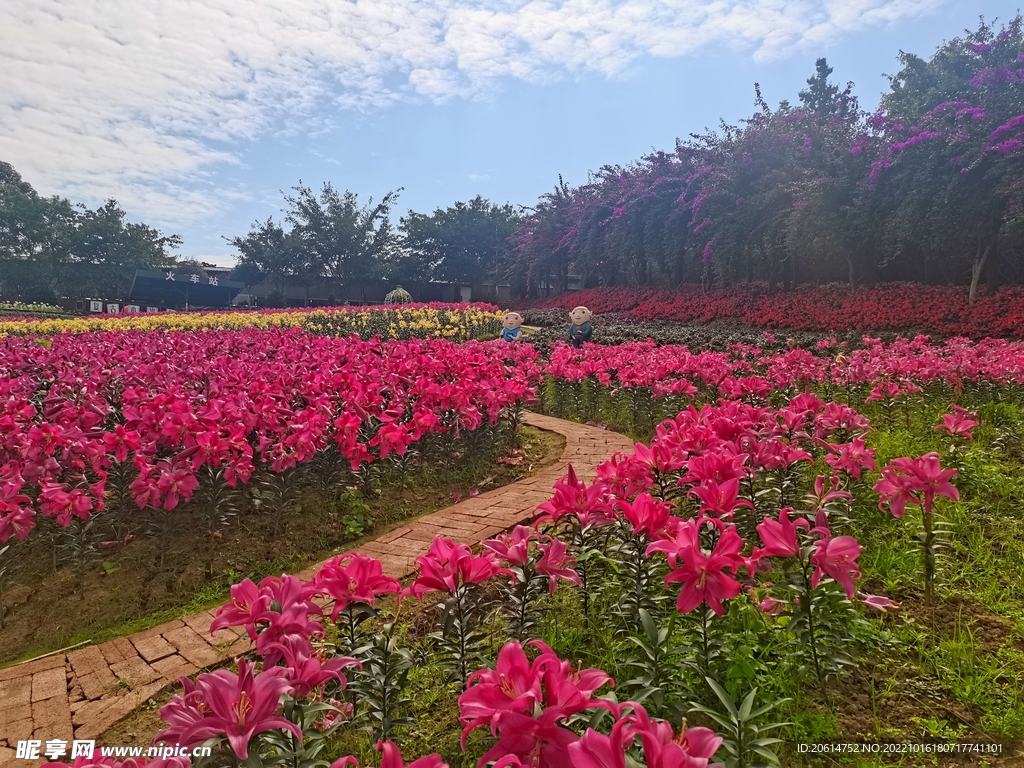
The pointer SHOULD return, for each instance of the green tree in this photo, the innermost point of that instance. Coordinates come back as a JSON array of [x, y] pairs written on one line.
[[333, 236], [266, 253], [51, 248], [821, 96], [106, 251], [330, 236], [463, 243], [35, 238]]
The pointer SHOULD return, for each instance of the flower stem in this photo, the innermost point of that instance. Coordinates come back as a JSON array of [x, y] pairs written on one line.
[[811, 639]]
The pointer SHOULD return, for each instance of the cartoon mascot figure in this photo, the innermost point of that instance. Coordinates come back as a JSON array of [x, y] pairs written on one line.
[[580, 330], [512, 330]]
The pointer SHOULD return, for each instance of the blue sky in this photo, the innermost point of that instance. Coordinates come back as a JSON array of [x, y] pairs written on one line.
[[196, 114]]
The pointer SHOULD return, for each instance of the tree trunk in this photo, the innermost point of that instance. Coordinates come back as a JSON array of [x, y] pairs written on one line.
[[870, 269], [852, 263], [992, 270], [980, 258]]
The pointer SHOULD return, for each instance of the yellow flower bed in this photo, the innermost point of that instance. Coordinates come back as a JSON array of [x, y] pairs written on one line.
[[455, 323], [403, 322]]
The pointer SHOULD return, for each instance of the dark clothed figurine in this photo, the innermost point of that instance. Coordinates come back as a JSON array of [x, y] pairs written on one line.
[[581, 330]]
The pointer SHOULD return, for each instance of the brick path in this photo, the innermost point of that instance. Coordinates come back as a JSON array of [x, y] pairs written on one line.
[[81, 694]]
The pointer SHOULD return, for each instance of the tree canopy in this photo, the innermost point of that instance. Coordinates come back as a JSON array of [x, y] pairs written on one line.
[[329, 236], [463, 243], [928, 188], [50, 247]]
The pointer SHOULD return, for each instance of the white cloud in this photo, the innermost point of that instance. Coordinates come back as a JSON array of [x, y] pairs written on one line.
[[132, 98]]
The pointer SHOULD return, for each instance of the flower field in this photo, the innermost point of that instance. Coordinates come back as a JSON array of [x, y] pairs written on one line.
[[805, 544], [832, 309], [161, 410], [457, 322]]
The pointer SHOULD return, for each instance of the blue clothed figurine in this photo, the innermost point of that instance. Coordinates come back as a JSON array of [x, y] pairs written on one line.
[[581, 330], [511, 330]]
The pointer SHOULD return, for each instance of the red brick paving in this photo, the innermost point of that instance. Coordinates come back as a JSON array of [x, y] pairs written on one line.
[[83, 693]]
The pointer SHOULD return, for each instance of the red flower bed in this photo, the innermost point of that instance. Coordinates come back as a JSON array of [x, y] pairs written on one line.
[[175, 406], [831, 308]]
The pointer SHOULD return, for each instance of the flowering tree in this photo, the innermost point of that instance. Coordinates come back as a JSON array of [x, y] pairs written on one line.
[[817, 190]]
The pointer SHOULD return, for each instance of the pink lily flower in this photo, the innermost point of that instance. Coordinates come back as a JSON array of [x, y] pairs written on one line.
[[392, 758], [56, 501], [236, 706], [852, 458], [878, 602], [291, 628], [513, 549], [780, 539], [514, 685], [896, 490], [836, 558], [572, 496], [307, 671], [658, 457], [718, 467], [959, 423], [120, 441], [353, 578], [720, 499], [884, 390], [771, 606], [289, 591], [183, 712], [569, 690], [448, 565], [624, 476], [248, 607], [703, 578], [806, 402], [917, 481], [648, 515], [555, 563], [175, 485], [538, 742], [821, 496], [837, 416], [17, 521], [508, 698], [693, 748], [595, 750]]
